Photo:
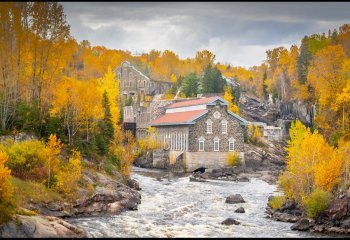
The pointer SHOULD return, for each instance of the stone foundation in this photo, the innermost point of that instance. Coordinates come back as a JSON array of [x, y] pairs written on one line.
[[209, 160]]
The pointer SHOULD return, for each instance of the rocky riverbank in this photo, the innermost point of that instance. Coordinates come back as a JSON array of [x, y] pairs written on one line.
[[335, 220], [105, 196]]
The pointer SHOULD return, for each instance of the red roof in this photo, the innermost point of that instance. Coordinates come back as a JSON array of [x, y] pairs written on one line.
[[178, 117], [199, 101]]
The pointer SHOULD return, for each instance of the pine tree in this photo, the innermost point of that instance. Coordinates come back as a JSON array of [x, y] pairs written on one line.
[[106, 135]]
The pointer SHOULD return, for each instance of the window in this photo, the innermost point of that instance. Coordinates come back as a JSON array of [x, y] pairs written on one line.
[[209, 126], [224, 126], [231, 144], [216, 144], [201, 144]]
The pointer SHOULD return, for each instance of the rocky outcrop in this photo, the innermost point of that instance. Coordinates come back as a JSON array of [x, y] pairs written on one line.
[[144, 161], [230, 221], [40, 227], [234, 198], [108, 197], [336, 219], [337, 210], [301, 225]]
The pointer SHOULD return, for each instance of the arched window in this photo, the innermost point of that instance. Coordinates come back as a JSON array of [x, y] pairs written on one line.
[[224, 126], [209, 126], [216, 144], [231, 144], [201, 144]]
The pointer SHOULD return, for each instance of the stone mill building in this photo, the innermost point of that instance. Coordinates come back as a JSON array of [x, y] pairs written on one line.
[[200, 132]]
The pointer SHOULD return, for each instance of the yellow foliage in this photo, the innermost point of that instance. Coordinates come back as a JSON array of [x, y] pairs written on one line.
[[311, 163], [149, 143], [6, 190], [124, 149], [68, 176], [168, 96], [230, 99], [233, 159]]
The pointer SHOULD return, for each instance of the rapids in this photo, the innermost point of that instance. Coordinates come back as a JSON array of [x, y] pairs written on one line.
[[171, 206]]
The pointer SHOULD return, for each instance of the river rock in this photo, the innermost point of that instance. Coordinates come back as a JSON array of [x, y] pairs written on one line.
[[243, 179], [337, 210], [40, 227], [234, 198], [301, 225], [240, 210], [133, 184], [284, 217], [197, 179], [230, 221], [345, 224]]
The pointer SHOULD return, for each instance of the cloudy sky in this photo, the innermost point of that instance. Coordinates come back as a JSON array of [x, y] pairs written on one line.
[[237, 33]]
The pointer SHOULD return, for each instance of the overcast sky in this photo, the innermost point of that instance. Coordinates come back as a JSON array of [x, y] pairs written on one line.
[[237, 33]]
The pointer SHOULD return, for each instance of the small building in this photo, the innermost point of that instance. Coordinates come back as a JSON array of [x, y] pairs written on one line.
[[201, 131], [134, 83]]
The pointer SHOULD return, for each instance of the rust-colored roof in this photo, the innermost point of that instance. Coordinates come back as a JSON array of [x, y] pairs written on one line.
[[178, 117], [199, 101]]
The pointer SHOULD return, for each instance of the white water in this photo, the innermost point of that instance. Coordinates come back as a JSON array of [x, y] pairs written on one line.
[[174, 207]]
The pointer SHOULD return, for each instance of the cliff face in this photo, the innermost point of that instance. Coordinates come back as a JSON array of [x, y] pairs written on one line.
[[279, 114]]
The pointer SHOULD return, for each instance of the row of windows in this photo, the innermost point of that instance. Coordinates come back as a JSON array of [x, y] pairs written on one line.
[[210, 126], [231, 144]]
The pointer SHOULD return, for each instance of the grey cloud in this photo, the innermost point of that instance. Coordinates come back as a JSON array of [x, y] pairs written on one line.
[[238, 33]]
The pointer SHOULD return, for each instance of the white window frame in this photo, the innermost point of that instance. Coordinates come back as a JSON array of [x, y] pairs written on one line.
[[231, 141], [201, 140], [224, 126], [216, 141], [209, 126]]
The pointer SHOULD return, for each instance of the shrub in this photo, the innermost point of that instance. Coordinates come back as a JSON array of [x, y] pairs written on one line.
[[68, 176], [317, 202], [27, 159], [6, 190], [276, 202], [233, 159]]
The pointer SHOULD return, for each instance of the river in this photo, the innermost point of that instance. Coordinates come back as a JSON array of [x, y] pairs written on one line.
[[171, 206]]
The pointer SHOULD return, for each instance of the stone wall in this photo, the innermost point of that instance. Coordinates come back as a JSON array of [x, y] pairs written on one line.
[[209, 160], [200, 130]]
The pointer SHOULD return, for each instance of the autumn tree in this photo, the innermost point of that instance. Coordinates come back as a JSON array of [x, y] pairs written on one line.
[[230, 99], [53, 148], [6, 190]]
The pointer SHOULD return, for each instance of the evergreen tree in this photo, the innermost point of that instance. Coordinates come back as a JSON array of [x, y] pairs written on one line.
[[106, 127], [304, 60], [212, 81], [190, 85], [264, 85]]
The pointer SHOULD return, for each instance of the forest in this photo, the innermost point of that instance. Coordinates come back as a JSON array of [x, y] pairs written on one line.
[[67, 94]]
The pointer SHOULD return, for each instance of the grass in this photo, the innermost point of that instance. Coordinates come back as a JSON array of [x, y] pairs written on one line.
[[25, 191]]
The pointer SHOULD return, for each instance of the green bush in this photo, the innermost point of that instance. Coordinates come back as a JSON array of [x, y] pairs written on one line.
[[233, 159], [276, 202], [317, 202]]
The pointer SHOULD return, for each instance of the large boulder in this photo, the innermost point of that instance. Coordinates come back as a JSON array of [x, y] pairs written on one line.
[[301, 225], [109, 197], [230, 221], [40, 227], [234, 198], [337, 209]]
